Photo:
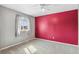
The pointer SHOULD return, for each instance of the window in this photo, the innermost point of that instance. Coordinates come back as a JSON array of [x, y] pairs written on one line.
[[22, 24]]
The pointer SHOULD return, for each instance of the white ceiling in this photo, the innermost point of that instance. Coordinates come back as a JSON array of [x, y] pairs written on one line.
[[35, 9]]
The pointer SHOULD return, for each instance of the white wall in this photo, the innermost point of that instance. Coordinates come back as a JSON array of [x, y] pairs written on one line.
[[7, 28]]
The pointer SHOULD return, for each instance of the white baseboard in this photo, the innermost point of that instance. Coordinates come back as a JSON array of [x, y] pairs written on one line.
[[58, 42], [39, 39], [15, 44]]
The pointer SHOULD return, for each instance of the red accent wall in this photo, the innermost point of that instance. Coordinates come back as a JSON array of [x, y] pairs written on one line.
[[61, 27]]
